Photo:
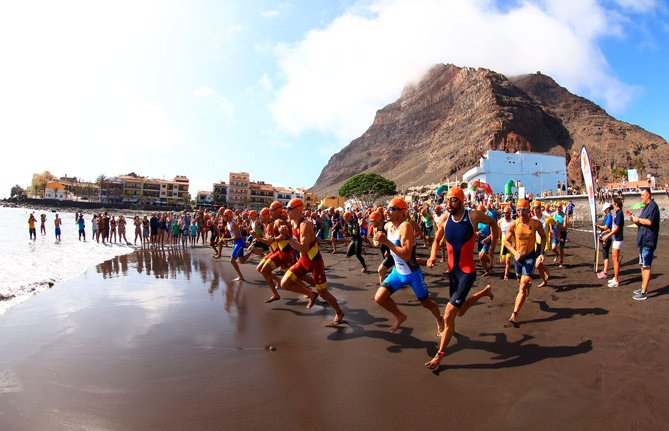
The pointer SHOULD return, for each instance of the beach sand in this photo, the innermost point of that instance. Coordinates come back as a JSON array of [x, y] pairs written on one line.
[[167, 342]]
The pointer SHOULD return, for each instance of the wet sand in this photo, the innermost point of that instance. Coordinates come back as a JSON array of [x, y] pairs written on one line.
[[168, 342]]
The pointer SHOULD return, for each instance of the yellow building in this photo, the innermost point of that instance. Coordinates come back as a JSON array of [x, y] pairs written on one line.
[[333, 201], [38, 183], [238, 189]]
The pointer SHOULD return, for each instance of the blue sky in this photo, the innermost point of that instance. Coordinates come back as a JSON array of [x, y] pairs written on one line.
[[275, 88]]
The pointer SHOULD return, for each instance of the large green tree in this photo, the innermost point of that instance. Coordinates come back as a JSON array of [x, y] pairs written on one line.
[[17, 190], [367, 188]]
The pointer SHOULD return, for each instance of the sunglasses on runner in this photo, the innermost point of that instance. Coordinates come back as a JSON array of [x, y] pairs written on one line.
[[291, 208], [523, 209], [394, 209]]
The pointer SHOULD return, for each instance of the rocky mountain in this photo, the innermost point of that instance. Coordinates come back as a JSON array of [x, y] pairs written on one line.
[[442, 125]]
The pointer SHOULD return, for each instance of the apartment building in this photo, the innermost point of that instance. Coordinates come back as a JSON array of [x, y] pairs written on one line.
[[220, 193], [238, 189], [260, 195]]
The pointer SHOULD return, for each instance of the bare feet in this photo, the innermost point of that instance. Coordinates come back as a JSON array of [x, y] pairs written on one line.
[[364, 269], [398, 322], [434, 363], [440, 327], [544, 283], [488, 292], [338, 319], [486, 273], [312, 300], [238, 279], [272, 299], [512, 319]]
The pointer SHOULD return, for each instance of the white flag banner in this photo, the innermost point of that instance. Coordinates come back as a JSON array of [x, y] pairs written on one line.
[[590, 190]]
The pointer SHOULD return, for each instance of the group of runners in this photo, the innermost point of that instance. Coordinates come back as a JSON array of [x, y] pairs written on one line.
[[287, 242]]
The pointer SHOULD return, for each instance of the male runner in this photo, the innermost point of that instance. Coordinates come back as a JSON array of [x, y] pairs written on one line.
[[400, 238], [559, 234], [304, 241], [355, 247], [457, 227], [238, 241], [505, 255], [546, 222], [524, 229]]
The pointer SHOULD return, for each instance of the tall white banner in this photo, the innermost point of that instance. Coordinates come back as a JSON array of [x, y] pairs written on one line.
[[590, 190]]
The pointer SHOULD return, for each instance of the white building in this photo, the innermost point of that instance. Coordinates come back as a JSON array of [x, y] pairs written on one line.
[[534, 171]]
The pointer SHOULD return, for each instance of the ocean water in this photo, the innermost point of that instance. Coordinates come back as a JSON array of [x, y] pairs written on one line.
[[31, 266]]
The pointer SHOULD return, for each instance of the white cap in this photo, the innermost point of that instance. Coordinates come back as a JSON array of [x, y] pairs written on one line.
[[607, 206]]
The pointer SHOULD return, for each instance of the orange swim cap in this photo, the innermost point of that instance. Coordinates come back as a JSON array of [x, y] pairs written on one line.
[[296, 203], [423, 211], [253, 213], [237, 212], [456, 192], [228, 213], [559, 204], [376, 216], [507, 209], [547, 207], [398, 203], [523, 203], [536, 204], [347, 214], [276, 205], [264, 211]]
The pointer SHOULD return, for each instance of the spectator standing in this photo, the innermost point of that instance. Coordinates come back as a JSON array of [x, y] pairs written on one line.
[[646, 240]]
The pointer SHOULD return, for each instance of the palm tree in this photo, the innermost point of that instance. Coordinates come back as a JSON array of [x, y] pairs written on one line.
[[101, 180]]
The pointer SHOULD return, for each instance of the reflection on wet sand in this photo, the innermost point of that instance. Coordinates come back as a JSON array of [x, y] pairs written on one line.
[[159, 263], [179, 264]]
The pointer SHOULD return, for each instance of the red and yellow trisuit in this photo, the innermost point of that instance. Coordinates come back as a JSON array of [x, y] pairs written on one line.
[[311, 262]]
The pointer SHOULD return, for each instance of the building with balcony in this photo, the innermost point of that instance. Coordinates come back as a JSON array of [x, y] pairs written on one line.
[[238, 189], [260, 195], [220, 193]]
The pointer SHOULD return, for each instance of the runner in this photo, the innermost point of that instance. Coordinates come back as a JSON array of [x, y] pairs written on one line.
[[524, 230], [304, 241], [546, 222], [427, 226], [355, 247], [484, 236], [442, 245], [561, 232], [238, 241], [504, 253], [400, 239], [376, 224], [337, 226], [458, 228], [280, 251]]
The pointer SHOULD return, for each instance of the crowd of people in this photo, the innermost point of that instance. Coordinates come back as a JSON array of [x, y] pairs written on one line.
[[287, 243]]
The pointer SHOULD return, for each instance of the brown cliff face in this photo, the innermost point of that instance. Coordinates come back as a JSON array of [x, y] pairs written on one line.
[[442, 125]]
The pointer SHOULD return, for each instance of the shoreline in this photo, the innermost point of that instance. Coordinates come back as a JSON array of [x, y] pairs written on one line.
[[167, 341]]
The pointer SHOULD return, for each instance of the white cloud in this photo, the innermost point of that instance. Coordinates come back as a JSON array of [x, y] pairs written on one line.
[[639, 6], [338, 76], [269, 13], [264, 83]]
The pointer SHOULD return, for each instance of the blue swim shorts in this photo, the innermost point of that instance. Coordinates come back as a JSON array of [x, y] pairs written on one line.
[[395, 281]]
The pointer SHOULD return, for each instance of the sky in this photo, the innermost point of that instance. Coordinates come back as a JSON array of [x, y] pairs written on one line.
[[275, 88]]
